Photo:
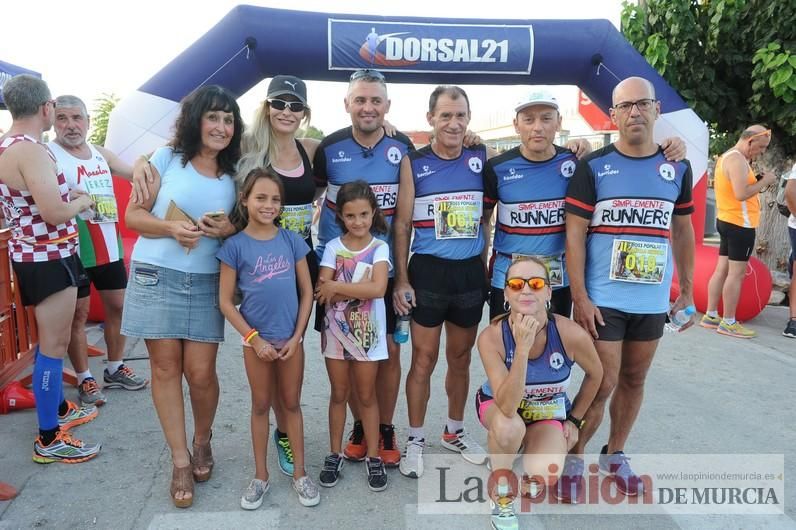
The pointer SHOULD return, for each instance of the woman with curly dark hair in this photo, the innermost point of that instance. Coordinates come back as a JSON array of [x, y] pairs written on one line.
[[172, 295]]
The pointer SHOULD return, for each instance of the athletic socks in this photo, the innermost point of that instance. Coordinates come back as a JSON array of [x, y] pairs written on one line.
[[729, 321], [454, 426], [82, 376], [47, 389], [417, 433], [113, 366], [712, 314]]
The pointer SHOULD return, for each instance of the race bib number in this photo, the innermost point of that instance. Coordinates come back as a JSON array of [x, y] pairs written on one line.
[[553, 262], [297, 218], [457, 219], [551, 409], [104, 211], [638, 261]]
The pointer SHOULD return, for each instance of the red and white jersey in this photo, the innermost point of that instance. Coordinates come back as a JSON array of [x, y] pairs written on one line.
[[32, 239]]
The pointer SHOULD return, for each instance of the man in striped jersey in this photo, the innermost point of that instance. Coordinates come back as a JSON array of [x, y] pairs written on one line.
[[89, 168]]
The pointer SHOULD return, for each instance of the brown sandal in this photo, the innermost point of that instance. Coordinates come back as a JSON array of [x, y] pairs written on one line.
[[181, 480], [203, 457]]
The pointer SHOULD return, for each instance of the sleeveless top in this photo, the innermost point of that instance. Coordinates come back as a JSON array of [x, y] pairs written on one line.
[[729, 209], [547, 377], [297, 202], [33, 239]]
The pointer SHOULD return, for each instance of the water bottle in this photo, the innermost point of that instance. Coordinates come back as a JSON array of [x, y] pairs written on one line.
[[680, 319], [401, 334]]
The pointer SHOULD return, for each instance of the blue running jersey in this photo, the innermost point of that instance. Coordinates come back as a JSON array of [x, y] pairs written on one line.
[[629, 202], [340, 159], [449, 203], [530, 210], [547, 377]]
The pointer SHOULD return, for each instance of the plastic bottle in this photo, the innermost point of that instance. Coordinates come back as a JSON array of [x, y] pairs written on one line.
[[680, 319], [401, 334]]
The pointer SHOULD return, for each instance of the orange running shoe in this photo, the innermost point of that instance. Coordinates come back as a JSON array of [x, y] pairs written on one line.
[[357, 447], [388, 450], [76, 415]]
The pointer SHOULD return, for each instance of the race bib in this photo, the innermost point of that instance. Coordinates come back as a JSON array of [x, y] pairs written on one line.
[[553, 262], [297, 218], [457, 219], [550, 409], [104, 210], [638, 261]]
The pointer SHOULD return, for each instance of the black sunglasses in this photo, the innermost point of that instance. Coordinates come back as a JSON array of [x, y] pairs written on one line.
[[363, 73], [280, 104]]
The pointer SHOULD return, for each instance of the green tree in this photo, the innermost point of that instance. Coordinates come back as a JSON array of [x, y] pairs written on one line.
[[99, 119], [733, 61], [311, 132]]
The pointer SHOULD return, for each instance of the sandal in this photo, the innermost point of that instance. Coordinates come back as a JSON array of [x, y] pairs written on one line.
[[181, 480], [202, 457]]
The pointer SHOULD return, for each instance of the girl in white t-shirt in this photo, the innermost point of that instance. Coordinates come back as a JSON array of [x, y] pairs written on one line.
[[351, 285]]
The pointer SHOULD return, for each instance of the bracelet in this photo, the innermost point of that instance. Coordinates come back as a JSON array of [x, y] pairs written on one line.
[[250, 335]]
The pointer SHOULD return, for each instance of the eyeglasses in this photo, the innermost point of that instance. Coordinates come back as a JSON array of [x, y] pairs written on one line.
[[280, 104], [49, 101], [363, 73], [642, 105], [536, 283]]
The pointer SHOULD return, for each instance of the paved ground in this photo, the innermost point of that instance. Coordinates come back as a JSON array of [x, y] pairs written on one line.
[[739, 396]]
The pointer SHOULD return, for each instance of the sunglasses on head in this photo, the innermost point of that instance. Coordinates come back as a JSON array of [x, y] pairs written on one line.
[[367, 72], [536, 283], [280, 104], [767, 132]]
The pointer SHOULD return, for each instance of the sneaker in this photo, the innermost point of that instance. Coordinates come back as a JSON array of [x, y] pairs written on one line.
[[618, 466], [330, 473], [307, 491], [737, 330], [253, 496], [124, 378], [709, 321], [503, 516], [64, 449], [530, 488], [790, 329], [377, 474], [284, 454], [90, 393], [388, 450], [462, 442], [357, 447], [76, 416], [412, 459], [571, 486]]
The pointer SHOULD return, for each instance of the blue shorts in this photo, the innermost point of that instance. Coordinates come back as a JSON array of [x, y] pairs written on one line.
[[163, 303]]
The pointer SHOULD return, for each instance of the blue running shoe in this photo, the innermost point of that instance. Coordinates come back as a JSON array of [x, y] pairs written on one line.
[[571, 486], [617, 465], [284, 454]]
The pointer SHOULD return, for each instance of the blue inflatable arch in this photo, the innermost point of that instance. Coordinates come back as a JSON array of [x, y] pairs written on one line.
[[253, 43]]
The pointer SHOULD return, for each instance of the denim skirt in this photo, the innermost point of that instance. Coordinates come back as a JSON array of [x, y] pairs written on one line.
[[162, 303]]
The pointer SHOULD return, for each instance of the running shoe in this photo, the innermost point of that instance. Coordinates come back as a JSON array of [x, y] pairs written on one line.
[[76, 416], [462, 442], [284, 454], [709, 321], [571, 486], [736, 329], [64, 449], [617, 465], [253, 496], [90, 393], [330, 473], [790, 329], [388, 446], [530, 488], [357, 447], [307, 491], [503, 516], [124, 378], [412, 458], [377, 474]]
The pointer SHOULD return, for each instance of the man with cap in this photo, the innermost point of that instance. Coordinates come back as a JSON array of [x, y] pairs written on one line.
[[529, 183]]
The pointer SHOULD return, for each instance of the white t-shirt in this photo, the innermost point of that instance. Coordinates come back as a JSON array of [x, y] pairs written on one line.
[[792, 218]]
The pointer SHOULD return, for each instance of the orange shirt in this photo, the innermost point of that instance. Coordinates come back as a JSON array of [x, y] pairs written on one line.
[[730, 210]]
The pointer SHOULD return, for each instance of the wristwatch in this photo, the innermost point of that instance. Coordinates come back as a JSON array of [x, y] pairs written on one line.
[[576, 422]]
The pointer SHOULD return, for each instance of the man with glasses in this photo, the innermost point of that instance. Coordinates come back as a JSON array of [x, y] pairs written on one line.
[[88, 168], [39, 208], [738, 215], [365, 151], [628, 218]]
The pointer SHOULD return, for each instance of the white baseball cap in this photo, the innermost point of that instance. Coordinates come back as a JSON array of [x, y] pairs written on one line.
[[537, 97]]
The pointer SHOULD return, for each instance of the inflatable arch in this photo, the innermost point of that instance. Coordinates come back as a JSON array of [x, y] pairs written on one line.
[[253, 43]]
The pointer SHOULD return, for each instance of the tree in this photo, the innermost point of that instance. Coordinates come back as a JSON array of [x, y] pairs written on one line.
[[99, 119], [311, 132]]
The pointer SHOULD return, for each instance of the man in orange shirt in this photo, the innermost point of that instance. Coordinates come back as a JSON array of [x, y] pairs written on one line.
[[738, 205]]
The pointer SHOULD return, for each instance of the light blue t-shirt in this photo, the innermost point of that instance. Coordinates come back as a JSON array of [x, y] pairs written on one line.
[[266, 272], [196, 195]]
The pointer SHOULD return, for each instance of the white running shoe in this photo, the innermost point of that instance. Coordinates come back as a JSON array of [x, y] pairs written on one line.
[[412, 460], [461, 442]]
